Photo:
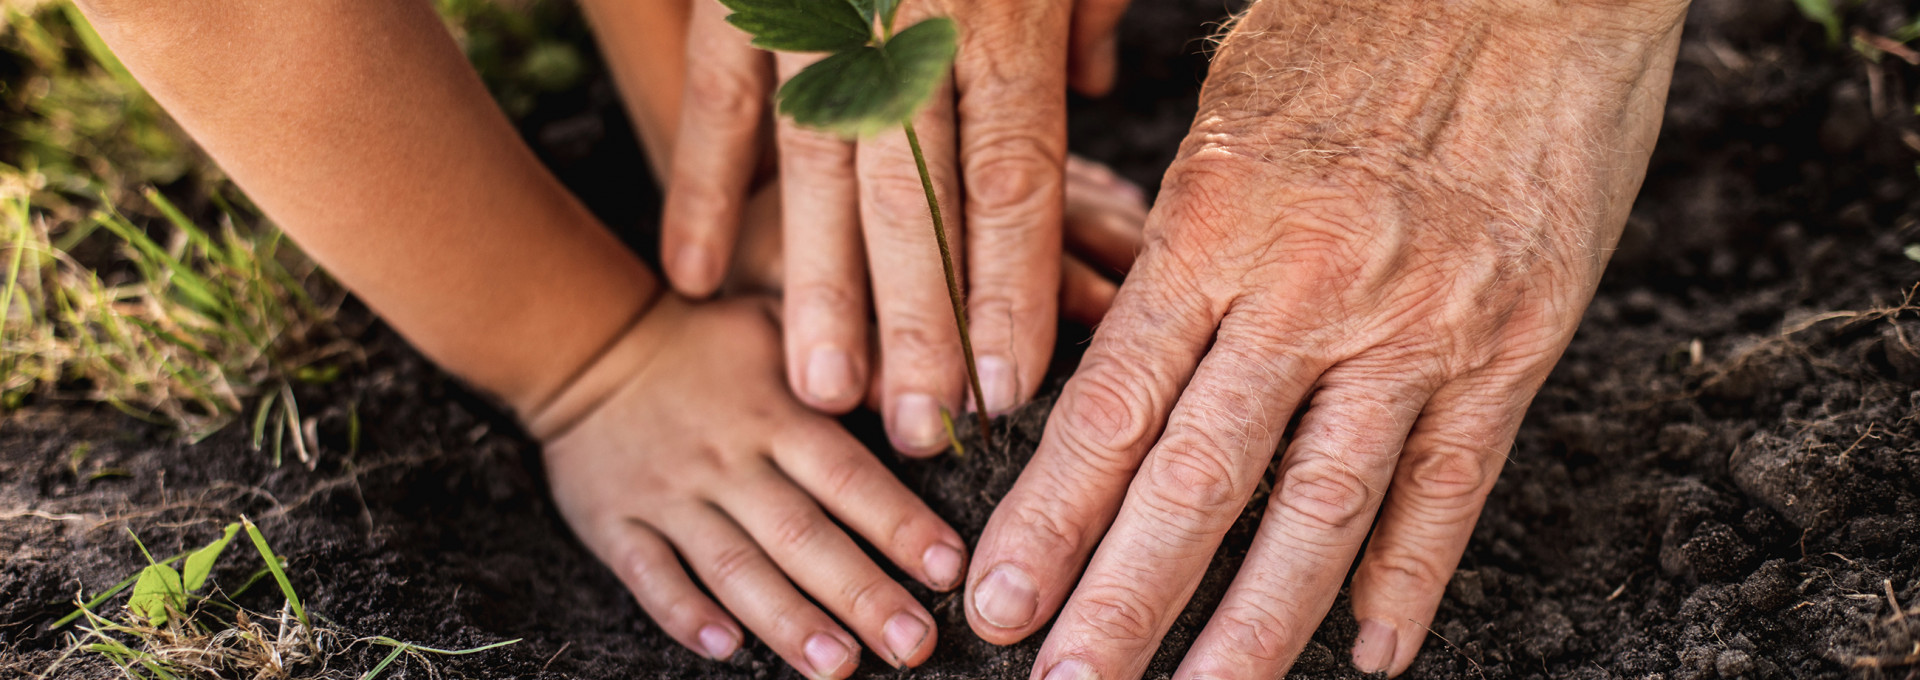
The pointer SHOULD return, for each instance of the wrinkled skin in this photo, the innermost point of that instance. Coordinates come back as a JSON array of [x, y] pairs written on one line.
[[1386, 222], [855, 214]]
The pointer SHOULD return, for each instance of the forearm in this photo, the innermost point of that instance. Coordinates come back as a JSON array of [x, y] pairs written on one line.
[[360, 129], [644, 43]]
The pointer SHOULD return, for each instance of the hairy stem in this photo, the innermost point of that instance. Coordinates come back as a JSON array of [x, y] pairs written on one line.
[[953, 284]]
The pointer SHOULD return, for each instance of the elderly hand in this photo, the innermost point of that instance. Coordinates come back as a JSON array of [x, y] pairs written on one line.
[[1386, 221], [996, 144]]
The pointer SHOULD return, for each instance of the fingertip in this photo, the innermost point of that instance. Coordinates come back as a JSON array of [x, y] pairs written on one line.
[[719, 642], [943, 566], [917, 426], [830, 656], [695, 271], [909, 638], [1001, 607]]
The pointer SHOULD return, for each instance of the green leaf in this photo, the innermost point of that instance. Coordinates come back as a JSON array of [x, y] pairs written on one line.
[[801, 25], [884, 9], [200, 563], [157, 588], [273, 565], [862, 91]]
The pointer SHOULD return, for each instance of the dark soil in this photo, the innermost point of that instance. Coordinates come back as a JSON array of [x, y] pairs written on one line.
[[1721, 479]]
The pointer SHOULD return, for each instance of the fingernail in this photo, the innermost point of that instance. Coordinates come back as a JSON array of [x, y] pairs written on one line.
[[942, 564], [904, 633], [1006, 597], [916, 422], [826, 654], [1072, 669], [1373, 651], [829, 374], [719, 642], [997, 384], [695, 268]]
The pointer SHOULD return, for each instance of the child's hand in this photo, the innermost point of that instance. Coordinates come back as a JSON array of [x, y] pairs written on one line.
[[695, 447]]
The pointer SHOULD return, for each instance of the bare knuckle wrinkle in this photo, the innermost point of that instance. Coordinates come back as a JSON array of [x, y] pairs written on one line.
[[1447, 473], [1254, 635], [1319, 493], [1012, 177], [1118, 614], [730, 566], [1407, 573], [1195, 480], [796, 530], [1106, 413], [725, 96]]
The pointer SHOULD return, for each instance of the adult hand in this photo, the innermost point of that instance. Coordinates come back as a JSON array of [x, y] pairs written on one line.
[[996, 144], [1387, 220]]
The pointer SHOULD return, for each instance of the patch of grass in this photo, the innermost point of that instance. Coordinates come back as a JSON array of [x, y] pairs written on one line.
[[170, 631], [112, 292]]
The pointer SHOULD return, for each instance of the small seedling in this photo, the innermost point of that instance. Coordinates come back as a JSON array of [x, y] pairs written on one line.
[[872, 79], [167, 633]]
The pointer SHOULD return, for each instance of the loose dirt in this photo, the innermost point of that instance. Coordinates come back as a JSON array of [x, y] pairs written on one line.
[[1721, 479]]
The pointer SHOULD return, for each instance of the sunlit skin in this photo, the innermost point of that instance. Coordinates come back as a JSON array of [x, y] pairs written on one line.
[[670, 434], [1386, 222], [995, 140]]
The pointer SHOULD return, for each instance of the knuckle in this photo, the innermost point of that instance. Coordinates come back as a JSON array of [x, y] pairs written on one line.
[[1106, 416], [1257, 635], [1010, 177], [1193, 476], [731, 565], [1446, 473], [837, 301], [1118, 613], [1407, 573], [898, 200], [913, 334], [863, 596], [724, 97], [1323, 494], [844, 477], [1052, 529], [819, 152], [797, 530]]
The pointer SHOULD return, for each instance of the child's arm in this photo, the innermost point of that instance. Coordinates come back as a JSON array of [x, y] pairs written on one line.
[[644, 44], [360, 128], [357, 126]]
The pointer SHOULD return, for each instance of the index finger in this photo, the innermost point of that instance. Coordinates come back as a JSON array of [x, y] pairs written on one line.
[[1108, 415], [1189, 491]]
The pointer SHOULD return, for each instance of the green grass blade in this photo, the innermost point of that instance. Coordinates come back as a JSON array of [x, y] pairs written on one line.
[[382, 666], [383, 640], [273, 565]]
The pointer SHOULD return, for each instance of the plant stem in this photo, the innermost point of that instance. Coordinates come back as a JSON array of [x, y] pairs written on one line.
[[953, 284]]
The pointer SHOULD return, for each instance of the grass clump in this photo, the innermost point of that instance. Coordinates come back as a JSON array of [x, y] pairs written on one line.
[[171, 630], [113, 293]]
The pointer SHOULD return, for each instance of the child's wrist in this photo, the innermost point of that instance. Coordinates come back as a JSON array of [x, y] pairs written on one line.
[[625, 355]]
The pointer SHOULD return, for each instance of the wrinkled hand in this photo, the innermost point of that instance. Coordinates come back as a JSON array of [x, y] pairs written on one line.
[[690, 448], [996, 145], [1387, 220]]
